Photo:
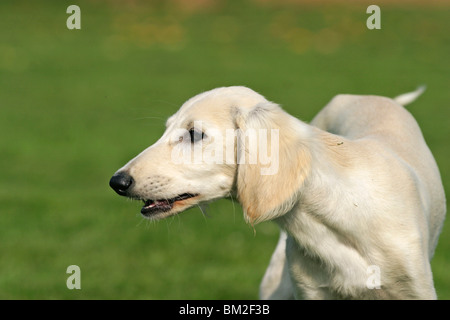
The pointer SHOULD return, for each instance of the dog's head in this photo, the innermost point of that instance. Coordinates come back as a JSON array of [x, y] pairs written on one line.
[[227, 141]]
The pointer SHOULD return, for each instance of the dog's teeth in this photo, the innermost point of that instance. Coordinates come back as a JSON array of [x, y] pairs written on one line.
[[148, 203]]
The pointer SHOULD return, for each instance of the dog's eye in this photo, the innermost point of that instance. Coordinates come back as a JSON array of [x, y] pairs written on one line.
[[196, 135]]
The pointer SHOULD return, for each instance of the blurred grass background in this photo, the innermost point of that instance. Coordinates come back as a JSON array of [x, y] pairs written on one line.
[[75, 105]]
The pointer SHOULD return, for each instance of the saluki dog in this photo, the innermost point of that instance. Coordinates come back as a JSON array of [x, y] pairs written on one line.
[[356, 193]]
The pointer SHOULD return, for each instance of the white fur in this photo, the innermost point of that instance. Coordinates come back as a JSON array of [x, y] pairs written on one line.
[[409, 97], [358, 187]]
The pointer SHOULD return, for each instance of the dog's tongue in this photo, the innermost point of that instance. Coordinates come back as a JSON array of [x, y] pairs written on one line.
[[154, 206], [153, 203]]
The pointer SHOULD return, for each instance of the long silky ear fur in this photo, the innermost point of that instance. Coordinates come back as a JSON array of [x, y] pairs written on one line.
[[265, 197]]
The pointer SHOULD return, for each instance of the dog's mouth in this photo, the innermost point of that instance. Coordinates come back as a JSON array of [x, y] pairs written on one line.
[[152, 207]]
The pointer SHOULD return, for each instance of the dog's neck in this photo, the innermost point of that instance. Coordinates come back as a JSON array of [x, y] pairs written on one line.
[[312, 223]]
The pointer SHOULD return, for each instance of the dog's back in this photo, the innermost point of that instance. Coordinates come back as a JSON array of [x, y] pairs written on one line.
[[380, 120]]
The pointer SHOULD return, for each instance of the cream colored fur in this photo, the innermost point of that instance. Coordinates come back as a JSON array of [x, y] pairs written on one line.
[[356, 188]]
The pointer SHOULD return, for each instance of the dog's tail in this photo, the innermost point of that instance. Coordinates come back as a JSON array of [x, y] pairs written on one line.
[[409, 97]]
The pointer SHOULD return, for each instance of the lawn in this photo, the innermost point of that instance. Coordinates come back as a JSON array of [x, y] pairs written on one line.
[[76, 105]]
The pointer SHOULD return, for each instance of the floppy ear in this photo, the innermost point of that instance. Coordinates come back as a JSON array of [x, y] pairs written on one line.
[[273, 161]]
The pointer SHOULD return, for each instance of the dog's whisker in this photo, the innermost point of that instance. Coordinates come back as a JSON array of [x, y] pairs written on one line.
[[140, 222], [204, 209], [232, 203]]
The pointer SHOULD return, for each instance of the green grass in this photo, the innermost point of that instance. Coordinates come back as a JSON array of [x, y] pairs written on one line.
[[76, 105]]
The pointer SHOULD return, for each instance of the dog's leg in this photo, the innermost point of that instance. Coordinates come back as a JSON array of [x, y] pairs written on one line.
[[276, 283]]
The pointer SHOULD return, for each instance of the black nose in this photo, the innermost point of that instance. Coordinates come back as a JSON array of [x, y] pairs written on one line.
[[121, 182]]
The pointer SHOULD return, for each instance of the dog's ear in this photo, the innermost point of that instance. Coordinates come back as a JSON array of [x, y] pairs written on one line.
[[273, 160]]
